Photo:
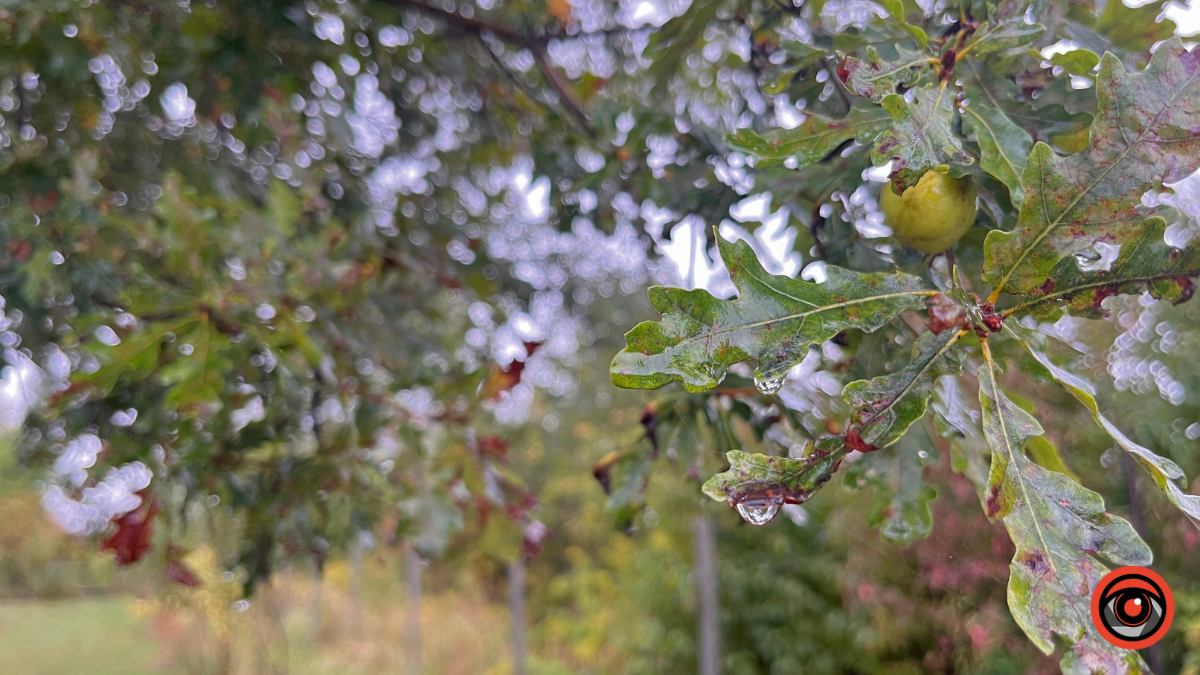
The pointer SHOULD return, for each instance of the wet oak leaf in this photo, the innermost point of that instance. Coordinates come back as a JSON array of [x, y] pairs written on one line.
[[895, 10], [1060, 529], [1007, 34], [762, 480], [900, 508], [1003, 146], [1076, 61], [875, 78], [886, 406], [812, 141], [922, 135], [1147, 264], [1146, 133], [1166, 474], [774, 320]]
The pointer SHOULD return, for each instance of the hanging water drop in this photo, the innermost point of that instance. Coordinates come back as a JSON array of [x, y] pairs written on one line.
[[768, 387], [758, 512]]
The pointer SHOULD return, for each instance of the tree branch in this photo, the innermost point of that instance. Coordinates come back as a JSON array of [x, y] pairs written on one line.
[[565, 95], [469, 25], [534, 43]]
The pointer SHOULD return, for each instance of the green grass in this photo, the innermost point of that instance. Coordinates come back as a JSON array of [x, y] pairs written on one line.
[[96, 636]]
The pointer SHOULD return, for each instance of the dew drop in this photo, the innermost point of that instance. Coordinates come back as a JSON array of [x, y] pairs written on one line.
[[758, 512], [768, 386]]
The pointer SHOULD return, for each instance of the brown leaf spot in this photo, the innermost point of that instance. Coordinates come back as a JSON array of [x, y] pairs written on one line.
[[992, 508], [1187, 288], [854, 441], [1035, 561]]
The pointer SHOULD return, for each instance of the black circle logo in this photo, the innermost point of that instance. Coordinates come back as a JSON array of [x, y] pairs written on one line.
[[1132, 607]]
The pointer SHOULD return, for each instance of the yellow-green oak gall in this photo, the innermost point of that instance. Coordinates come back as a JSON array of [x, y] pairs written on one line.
[[931, 215]]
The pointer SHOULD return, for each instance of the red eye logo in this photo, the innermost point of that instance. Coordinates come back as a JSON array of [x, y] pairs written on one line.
[[1132, 607]]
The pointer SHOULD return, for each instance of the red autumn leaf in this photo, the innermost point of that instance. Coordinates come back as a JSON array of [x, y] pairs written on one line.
[[495, 447], [131, 541], [503, 378]]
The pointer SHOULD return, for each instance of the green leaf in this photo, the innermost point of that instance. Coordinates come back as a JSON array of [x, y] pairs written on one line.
[[1042, 451], [954, 419], [123, 356], [901, 506], [810, 142], [1133, 28], [1006, 35], [1003, 146], [624, 475], [1057, 526], [670, 44], [886, 406], [1142, 137], [775, 319], [1163, 471], [1147, 264], [762, 480], [1076, 61], [876, 78], [895, 9], [921, 136]]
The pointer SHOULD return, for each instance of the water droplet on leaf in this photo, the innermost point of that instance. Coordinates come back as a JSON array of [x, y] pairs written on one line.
[[768, 387], [758, 512]]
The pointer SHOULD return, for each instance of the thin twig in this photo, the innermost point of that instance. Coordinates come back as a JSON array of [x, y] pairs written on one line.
[[565, 95], [534, 43], [468, 24]]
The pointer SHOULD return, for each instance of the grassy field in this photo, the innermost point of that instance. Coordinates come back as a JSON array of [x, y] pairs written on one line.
[[97, 636], [462, 633]]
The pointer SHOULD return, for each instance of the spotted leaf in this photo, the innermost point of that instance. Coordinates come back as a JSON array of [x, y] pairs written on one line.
[[1060, 530], [1146, 133], [774, 320]]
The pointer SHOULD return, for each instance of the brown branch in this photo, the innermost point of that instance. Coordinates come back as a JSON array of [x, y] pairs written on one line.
[[468, 24], [562, 88], [479, 26], [534, 43]]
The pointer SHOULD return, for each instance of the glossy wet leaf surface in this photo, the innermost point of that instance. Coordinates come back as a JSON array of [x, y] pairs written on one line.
[[815, 138], [1144, 135], [1061, 531], [759, 481], [1003, 146], [921, 136], [887, 405], [774, 320], [1166, 474]]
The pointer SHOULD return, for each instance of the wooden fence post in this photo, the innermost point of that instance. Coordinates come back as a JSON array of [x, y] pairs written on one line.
[[412, 602], [708, 634], [516, 611]]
